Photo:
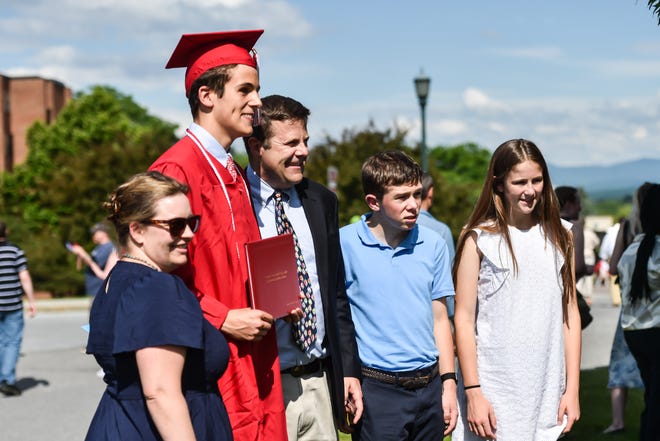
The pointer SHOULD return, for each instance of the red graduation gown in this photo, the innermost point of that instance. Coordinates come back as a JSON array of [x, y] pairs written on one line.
[[216, 272]]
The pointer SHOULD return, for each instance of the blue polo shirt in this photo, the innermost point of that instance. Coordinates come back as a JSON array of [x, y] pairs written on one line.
[[390, 293]]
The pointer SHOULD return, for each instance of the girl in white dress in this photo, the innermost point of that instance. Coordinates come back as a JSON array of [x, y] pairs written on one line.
[[517, 323]]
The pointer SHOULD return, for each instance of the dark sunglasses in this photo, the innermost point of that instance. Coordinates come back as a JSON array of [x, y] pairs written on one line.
[[177, 225]]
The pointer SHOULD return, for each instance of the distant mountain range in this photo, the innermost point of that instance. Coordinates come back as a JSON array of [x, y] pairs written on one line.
[[609, 181]]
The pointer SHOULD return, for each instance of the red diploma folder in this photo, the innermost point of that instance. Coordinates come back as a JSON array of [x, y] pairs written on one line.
[[273, 275]]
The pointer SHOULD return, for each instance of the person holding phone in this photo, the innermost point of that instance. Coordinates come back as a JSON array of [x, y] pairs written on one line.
[[101, 260]]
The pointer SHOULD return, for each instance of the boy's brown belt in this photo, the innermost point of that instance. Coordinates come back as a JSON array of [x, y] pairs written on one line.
[[409, 380]]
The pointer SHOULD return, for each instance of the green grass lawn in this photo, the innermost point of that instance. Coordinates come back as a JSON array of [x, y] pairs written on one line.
[[595, 410]]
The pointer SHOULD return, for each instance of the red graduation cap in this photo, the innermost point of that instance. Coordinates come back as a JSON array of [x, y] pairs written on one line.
[[201, 52]]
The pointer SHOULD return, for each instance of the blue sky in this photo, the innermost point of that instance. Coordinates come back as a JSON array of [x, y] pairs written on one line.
[[580, 78]]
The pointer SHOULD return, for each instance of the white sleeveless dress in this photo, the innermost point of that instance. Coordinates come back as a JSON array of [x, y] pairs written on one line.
[[519, 336]]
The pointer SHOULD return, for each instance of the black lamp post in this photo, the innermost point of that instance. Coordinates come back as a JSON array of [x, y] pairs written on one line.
[[422, 86]]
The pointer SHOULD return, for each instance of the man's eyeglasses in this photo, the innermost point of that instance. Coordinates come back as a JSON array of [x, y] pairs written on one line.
[[177, 225]]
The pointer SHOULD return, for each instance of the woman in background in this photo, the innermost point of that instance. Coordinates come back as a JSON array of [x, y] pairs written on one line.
[[639, 277], [622, 371]]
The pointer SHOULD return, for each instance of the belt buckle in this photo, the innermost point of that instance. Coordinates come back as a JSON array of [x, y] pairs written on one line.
[[304, 369], [415, 382]]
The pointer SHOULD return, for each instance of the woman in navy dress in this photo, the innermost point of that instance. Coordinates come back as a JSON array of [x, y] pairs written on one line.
[[160, 357]]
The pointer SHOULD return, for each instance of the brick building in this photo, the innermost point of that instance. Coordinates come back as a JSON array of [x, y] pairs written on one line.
[[24, 100]]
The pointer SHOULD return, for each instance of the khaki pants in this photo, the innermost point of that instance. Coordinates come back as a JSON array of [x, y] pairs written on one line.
[[615, 291], [586, 285], [308, 407]]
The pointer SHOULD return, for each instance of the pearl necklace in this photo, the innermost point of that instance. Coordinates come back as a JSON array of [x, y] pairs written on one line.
[[128, 256]]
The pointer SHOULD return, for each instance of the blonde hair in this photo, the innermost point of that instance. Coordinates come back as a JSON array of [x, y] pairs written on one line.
[[134, 201]]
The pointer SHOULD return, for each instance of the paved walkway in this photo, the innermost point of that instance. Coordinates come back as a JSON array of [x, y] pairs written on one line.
[[63, 304], [61, 389], [597, 338], [58, 380]]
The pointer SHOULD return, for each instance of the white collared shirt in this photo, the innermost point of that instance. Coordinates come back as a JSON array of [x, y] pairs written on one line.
[[264, 209], [210, 143]]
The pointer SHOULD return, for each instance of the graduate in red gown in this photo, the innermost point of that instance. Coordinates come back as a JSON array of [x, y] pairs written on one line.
[[222, 83]]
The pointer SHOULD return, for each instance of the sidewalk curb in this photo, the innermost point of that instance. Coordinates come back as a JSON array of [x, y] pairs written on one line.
[[62, 304]]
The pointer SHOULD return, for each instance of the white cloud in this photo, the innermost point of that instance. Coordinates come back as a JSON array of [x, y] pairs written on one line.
[[532, 52], [496, 127], [406, 123], [630, 68], [569, 130], [550, 129], [100, 25], [647, 48], [125, 44], [639, 133], [476, 99], [451, 127], [64, 54]]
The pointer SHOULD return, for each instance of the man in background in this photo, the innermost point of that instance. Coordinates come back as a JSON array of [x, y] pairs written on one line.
[[570, 206], [605, 253], [15, 281], [426, 219]]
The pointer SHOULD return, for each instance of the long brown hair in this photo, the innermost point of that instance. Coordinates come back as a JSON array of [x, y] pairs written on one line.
[[491, 214], [650, 219]]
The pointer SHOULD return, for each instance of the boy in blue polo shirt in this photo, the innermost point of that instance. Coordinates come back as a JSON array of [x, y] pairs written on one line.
[[397, 279]]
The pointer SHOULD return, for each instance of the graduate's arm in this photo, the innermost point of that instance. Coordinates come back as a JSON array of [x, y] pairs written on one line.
[[239, 324]]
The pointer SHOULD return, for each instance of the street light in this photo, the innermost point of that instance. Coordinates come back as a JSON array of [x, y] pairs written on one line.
[[422, 86]]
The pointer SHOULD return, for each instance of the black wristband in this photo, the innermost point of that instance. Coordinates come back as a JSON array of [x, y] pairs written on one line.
[[448, 376], [471, 387]]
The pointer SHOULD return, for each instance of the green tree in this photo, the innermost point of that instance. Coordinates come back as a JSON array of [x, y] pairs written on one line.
[[347, 155], [461, 163], [654, 6], [100, 138], [459, 173]]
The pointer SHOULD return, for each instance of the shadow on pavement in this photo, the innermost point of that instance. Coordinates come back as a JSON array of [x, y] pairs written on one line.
[[27, 383]]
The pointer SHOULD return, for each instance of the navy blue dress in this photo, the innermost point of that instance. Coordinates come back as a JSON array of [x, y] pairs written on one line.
[[146, 308]]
